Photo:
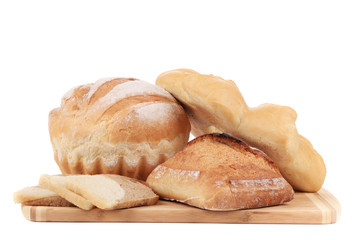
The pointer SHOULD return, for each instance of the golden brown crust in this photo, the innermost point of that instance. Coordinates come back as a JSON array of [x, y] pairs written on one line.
[[216, 105], [218, 172], [120, 126], [140, 171]]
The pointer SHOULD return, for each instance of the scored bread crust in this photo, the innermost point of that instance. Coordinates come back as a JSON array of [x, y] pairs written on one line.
[[216, 105], [117, 125], [218, 172]]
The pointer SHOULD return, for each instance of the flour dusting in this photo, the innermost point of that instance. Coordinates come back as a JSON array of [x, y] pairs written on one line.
[[128, 89], [260, 184], [155, 112], [95, 86], [180, 174]]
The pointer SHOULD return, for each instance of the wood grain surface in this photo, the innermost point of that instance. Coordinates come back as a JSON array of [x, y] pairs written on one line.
[[305, 208]]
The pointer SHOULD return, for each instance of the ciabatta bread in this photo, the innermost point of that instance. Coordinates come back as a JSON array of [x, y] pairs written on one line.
[[218, 172], [38, 196], [57, 184], [117, 125], [216, 105], [107, 191]]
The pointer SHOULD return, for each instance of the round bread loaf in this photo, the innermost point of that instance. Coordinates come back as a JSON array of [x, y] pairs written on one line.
[[117, 125]]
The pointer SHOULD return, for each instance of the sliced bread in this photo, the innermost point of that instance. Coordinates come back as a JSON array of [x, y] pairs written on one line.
[[38, 196], [107, 191], [57, 184]]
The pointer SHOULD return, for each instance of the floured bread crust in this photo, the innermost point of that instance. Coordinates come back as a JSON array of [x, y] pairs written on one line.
[[218, 172], [117, 125], [216, 105]]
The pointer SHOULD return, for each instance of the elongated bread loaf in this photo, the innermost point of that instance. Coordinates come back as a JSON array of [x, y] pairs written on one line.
[[216, 105], [218, 172], [117, 125]]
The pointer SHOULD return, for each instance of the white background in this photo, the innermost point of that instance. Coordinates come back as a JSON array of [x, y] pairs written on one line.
[[303, 54]]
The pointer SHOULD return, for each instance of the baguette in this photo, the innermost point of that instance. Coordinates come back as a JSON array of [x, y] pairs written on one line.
[[216, 105]]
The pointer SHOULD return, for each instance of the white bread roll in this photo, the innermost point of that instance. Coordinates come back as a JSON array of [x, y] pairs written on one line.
[[117, 125], [216, 105]]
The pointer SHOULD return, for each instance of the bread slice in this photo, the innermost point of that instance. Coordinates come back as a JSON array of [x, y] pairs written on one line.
[[107, 191], [219, 172], [57, 184], [38, 196]]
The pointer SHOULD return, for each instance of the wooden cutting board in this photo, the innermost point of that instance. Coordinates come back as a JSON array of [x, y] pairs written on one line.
[[305, 208]]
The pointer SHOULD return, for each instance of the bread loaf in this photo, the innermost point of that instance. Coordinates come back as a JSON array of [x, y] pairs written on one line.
[[117, 125], [218, 172], [216, 105]]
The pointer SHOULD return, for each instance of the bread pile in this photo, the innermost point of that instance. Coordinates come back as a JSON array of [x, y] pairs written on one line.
[[107, 134]]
